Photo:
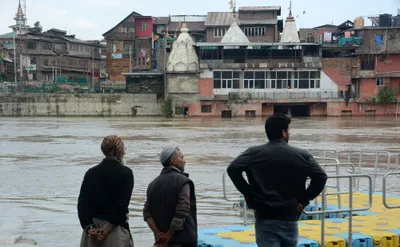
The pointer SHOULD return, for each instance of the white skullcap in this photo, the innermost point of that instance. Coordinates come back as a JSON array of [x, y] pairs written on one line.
[[166, 153]]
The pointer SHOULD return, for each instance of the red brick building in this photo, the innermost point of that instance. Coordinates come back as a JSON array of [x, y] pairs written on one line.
[[129, 46]]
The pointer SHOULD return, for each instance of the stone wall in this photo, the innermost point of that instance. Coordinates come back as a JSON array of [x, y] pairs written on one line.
[[61, 105]]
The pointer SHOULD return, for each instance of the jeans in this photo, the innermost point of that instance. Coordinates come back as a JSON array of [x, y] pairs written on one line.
[[276, 233]]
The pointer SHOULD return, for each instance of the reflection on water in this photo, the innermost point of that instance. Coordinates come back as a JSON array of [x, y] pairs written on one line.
[[43, 160]]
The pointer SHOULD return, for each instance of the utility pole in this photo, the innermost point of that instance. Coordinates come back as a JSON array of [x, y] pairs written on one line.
[[130, 58], [15, 60], [92, 67]]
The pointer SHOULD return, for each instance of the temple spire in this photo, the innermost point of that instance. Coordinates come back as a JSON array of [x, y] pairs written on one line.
[[20, 11], [232, 6]]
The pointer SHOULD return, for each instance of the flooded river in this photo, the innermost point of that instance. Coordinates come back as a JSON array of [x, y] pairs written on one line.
[[43, 160]]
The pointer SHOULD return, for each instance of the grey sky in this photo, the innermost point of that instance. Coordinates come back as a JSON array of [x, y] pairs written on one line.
[[89, 19]]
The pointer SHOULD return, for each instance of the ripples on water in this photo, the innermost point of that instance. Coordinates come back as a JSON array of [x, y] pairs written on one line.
[[43, 160]]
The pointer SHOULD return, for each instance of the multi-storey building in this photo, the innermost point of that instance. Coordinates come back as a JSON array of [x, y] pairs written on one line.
[[129, 46], [53, 56], [6, 65], [259, 24]]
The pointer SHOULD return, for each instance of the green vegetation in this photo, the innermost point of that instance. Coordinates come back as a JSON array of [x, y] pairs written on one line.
[[166, 107], [387, 95]]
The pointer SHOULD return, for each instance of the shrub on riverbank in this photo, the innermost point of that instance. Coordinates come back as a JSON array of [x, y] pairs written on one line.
[[166, 107]]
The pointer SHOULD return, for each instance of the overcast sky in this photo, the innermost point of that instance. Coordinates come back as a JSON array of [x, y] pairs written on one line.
[[89, 19]]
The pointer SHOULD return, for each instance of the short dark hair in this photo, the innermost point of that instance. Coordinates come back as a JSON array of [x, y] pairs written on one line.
[[275, 124]]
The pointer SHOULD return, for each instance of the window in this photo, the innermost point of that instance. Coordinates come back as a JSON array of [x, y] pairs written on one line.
[[254, 31], [34, 76], [46, 62], [250, 113], [380, 82], [367, 62], [219, 32], [72, 62], [226, 79], [60, 46], [33, 60], [114, 48], [217, 79], [127, 50], [379, 40], [74, 47], [179, 110], [144, 26], [47, 46], [31, 45], [248, 79], [259, 79], [206, 108], [124, 29], [226, 113]]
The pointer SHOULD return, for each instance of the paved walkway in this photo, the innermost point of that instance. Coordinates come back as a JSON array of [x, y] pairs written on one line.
[[379, 226]]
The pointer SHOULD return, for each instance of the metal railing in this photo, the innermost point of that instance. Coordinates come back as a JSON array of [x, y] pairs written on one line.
[[376, 163], [326, 153], [350, 210], [367, 164], [384, 194], [337, 165], [244, 208]]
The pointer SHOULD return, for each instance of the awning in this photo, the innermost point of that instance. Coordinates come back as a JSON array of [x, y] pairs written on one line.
[[7, 59]]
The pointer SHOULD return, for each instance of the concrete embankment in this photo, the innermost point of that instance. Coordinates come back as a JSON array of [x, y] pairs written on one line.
[[60, 105]]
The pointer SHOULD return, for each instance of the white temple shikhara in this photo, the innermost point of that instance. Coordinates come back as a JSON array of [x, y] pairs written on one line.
[[290, 34]]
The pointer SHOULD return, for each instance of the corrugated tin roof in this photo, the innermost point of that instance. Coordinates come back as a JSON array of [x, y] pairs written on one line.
[[161, 20], [219, 19], [7, 35], [9, 46], [188, 18], [257, 22], [176, 26], [259, 8]]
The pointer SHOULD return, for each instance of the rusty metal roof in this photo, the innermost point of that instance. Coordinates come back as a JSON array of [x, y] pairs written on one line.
[[172, 26], [161, 20], [215, 19], [259, 8]]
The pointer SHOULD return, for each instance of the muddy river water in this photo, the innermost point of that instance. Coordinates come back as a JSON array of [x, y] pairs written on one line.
[[43, 160]]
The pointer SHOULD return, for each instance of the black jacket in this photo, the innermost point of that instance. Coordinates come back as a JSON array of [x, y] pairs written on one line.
[[106, 193], [162, 196], [277, 173]]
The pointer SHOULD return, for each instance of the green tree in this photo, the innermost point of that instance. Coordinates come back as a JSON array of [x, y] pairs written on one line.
[[166, 107], [387, 95]]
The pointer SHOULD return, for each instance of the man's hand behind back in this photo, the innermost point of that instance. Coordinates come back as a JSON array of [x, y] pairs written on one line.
[[299, 208], [163, 239], [101, 235], [98, 234]]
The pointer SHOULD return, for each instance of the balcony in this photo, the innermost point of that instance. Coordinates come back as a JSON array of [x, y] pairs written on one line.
[[253, 64], [280, 94]]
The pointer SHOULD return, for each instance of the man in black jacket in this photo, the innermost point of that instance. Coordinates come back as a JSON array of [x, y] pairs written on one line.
[[170, 208], [277, 173], [104, 199]]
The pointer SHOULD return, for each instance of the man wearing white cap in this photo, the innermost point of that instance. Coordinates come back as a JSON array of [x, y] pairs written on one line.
[[170, 208]]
